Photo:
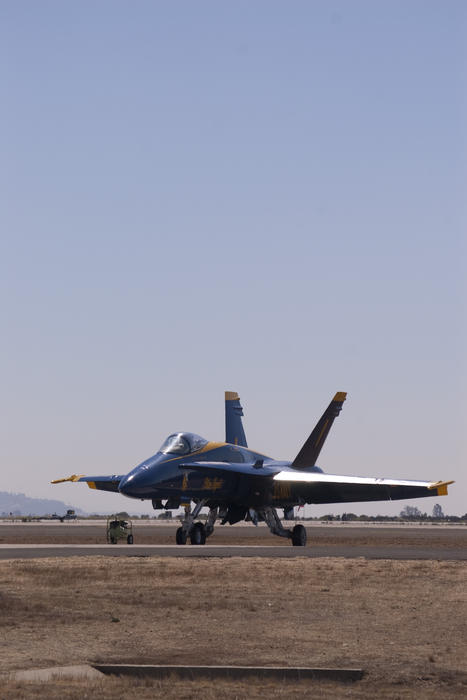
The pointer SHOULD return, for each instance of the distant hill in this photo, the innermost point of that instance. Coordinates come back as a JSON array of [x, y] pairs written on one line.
[[19, 504]]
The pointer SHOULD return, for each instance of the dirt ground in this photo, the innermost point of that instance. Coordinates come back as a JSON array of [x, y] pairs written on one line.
[[403, 622]]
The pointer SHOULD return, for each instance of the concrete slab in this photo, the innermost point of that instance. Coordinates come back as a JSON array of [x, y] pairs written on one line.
[[47, 674], [236, 672]]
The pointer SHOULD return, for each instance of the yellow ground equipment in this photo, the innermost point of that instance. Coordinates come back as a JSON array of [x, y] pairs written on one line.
[[118, 529]]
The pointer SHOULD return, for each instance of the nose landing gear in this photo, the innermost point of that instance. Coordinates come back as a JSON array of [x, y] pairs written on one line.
[[180, 536], [198, 534]]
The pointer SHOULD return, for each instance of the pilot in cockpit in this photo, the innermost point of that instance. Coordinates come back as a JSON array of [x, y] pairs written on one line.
[[183, 444]]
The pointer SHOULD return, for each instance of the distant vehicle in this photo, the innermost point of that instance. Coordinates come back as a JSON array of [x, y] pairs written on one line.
[[236, 483], [69, 515]]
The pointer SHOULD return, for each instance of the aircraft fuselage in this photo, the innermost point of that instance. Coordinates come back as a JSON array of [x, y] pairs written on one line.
[[161, 477]]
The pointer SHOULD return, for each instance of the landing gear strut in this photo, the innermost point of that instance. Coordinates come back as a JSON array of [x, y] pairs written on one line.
[[272, 520]]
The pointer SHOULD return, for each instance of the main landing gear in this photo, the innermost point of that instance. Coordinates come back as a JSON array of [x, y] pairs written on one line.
[[198, 532], [272, 520]]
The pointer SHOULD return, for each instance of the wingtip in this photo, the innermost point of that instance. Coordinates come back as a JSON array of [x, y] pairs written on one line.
[[73, 477], [231, 396], [441, 487], [340, 396]]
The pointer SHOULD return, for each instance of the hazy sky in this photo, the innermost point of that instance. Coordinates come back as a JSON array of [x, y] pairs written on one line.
[[267, 197]]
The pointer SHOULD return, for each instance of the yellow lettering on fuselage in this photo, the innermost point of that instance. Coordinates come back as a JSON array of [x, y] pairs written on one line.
[[281, 490], [212, 484]]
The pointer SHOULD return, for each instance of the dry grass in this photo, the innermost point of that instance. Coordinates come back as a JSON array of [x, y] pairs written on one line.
[[174, 689], [404, 622]]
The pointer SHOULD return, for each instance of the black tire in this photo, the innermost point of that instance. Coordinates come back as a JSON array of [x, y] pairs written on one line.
[[129, 539], [299, 536], [198, 534], [180, 536]]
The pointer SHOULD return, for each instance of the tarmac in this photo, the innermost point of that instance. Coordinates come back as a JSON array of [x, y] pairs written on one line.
[[152, 539], [123, 550]]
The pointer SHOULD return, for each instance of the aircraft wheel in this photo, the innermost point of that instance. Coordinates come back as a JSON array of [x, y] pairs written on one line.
[[180, 536], [129, 539], [299, 536], [198, 534]]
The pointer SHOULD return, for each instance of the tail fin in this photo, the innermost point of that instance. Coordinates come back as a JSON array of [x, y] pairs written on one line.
[[234, 433], [309, 453]]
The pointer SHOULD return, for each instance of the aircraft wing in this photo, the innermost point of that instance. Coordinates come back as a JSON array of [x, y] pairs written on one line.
[[101, 483], [316, 487], [333, 488]]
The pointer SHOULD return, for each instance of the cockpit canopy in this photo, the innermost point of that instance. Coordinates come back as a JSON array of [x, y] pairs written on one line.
[[182, 444]]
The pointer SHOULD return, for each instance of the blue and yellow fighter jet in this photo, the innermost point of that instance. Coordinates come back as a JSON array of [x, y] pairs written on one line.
[[237, 483]]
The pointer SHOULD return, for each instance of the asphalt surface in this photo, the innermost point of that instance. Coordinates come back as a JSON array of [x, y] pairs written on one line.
[[46, 539], [384, 552]]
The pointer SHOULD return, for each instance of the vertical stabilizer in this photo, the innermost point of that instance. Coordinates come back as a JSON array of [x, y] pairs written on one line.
[[234, 433], [309, 453]]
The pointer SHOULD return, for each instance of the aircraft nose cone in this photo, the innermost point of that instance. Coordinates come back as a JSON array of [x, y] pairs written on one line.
[[135, 484], [125, 484], [129, 484]]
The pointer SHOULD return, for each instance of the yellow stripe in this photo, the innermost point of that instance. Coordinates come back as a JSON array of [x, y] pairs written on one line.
[[92, 484], [340, 396], [321, 433], [231, 396], [209, 446]]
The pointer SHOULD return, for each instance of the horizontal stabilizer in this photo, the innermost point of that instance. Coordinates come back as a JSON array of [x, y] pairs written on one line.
[[310, 451]]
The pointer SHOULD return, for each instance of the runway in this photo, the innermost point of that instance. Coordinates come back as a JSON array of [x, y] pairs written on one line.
[[159, 550], [84, 538]]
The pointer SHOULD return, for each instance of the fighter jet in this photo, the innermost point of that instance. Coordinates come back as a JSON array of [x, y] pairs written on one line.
[[236, 483]]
